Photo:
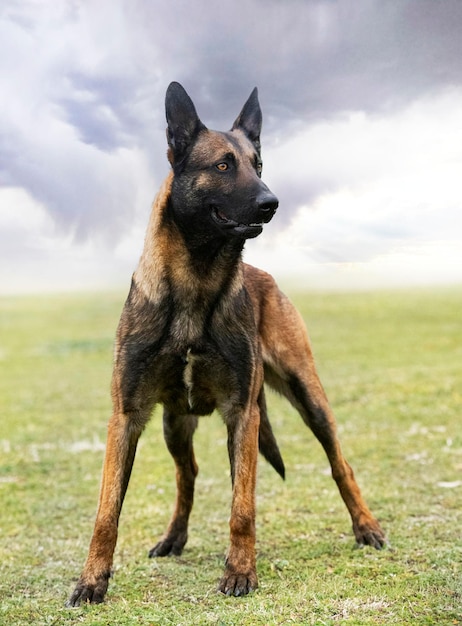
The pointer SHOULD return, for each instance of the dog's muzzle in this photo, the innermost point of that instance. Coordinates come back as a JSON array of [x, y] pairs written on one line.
[[265, 209]]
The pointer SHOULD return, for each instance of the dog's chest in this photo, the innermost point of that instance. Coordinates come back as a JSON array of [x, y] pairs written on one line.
[[204, 364], [193, 381], [191, 354], [187, 327], [189, 359], [191, 376]]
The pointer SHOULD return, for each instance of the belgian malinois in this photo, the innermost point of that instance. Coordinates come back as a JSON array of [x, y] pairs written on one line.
[[201, 330]]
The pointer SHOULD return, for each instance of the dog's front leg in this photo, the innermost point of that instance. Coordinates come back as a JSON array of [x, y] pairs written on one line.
[[123, 435], [240, 576]]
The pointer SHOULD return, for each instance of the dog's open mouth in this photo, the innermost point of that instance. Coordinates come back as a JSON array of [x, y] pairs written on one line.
[[235, 228]]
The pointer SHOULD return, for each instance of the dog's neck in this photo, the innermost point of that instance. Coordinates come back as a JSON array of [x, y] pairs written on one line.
[[206, 254], [202, 270]]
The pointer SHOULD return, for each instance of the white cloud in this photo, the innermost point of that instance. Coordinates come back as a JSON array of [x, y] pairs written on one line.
[[389, 197], [35, 256]]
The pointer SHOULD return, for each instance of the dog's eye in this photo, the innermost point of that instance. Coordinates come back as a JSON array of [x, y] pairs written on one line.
[[259, 168], [222, 167]]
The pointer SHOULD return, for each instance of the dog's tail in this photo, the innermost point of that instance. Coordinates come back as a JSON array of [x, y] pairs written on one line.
[[267, 441]]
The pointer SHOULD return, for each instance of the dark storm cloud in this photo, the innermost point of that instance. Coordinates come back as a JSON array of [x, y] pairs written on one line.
[[310, 60], [313, 59], [99, 109]]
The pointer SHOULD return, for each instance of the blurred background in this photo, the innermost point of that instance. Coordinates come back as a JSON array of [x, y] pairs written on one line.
[[362, 136]]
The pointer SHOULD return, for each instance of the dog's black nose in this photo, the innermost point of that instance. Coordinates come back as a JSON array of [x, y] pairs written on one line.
[[267, 206]]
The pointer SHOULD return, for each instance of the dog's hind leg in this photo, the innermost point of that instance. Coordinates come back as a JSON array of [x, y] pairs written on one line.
[[309, 399], [290, 369], [178, 433]]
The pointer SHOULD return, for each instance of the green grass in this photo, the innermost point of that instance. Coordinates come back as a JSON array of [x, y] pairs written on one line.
[[391, 364]]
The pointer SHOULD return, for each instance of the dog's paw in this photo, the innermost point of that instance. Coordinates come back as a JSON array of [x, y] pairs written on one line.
[[92, 593], [370, 533], [168, 547], [233, 584]]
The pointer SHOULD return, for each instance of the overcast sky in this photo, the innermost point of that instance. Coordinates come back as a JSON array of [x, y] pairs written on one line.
[[362, 136]]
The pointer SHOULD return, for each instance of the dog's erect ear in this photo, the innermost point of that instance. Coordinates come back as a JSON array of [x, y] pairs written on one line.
[[182, 119], [249, 119]]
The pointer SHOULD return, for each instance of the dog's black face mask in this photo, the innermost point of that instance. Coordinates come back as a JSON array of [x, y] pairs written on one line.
[[217, 192]]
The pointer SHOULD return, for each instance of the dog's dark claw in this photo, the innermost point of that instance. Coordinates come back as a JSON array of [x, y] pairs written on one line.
[[237, 584], [167, 547], [376, 542], [370, 534], [86, 593]]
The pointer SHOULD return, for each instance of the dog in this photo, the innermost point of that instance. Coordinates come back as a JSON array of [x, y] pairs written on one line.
[[201, 330]]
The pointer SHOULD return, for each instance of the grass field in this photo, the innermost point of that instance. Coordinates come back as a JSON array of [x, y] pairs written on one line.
[[391, 364]]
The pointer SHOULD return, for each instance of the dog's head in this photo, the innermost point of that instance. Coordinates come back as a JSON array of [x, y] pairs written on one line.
[[217, 189]]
